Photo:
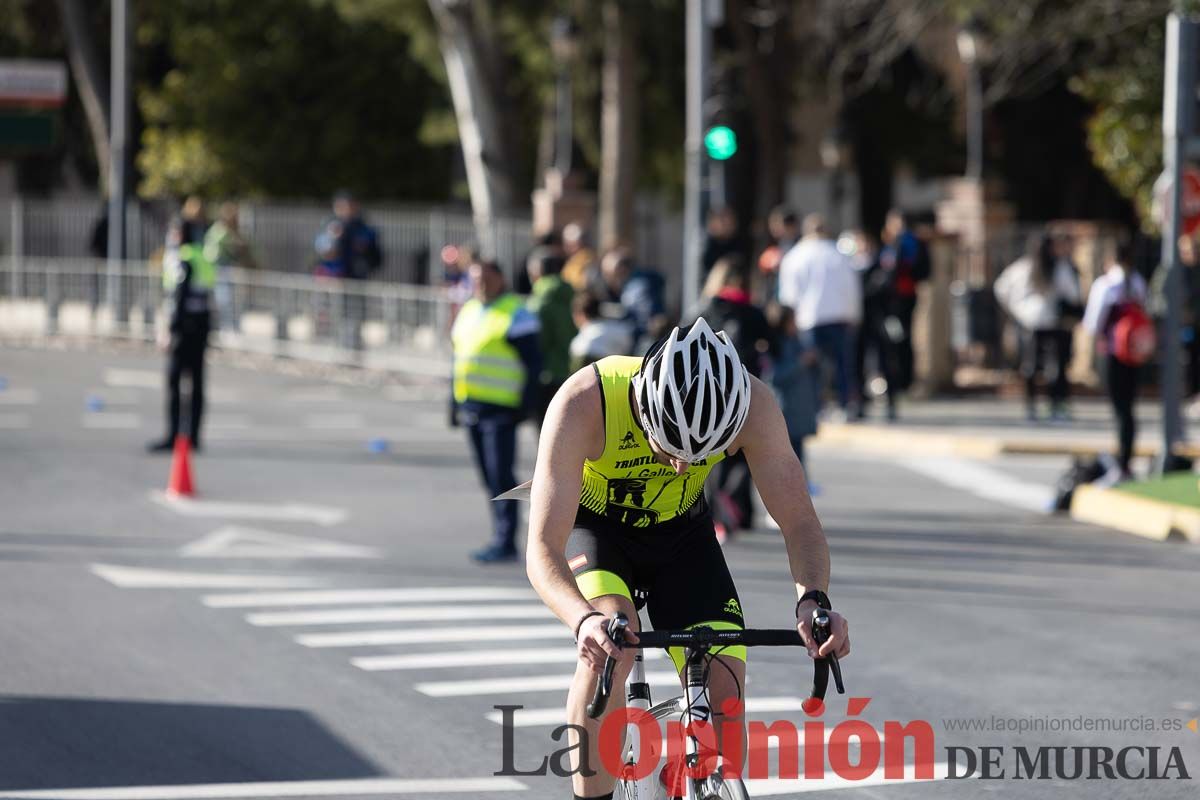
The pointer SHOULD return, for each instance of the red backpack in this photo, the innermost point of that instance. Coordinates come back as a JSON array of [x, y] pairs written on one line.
[[1131, 331]]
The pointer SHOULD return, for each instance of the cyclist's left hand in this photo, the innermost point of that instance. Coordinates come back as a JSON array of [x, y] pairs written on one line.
[[839, 639]]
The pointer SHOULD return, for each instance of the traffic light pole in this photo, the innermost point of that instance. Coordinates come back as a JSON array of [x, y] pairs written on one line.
[[118, 135], [694, 189], [1179, 87]]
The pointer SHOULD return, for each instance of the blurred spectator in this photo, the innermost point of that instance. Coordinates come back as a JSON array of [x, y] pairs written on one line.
[[639, 292], [496, 363], [875, 334], [724, 238], [550, 298], [598, 336], [580, 267], [1040, 291], [783, 227], [795, 377], [726, 307], [98, 242], [1116, 295], [348, 248], [1189, 309], [907, 258], [549, 243], [226, 248], [194, 221], [821, 285], [188, 279]]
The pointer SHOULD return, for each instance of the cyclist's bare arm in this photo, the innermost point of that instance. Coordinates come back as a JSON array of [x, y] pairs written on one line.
[[572, 432], [781, 482]]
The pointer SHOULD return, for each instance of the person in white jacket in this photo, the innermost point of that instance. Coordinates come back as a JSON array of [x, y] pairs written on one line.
[[1040, 291], [820, 284]]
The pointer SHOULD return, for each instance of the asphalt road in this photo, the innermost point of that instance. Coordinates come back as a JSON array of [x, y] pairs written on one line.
[[297, 630]]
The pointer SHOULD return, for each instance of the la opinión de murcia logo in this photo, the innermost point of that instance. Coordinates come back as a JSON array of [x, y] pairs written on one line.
[[853, 750]]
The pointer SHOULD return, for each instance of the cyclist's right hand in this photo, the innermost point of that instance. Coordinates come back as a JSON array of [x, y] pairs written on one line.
[[595, 645]]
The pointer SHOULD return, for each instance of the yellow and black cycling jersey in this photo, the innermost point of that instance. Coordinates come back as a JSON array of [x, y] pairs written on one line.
[[627, 485]]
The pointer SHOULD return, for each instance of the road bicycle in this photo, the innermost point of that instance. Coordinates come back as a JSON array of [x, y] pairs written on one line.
[[693, 706]]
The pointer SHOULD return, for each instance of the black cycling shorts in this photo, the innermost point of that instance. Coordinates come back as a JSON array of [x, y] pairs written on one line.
[[675, 570]]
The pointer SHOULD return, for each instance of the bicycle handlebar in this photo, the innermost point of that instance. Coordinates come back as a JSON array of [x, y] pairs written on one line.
[[709, 638]]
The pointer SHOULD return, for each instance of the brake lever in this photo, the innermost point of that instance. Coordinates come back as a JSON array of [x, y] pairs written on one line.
[[821, 632], [616, 631]]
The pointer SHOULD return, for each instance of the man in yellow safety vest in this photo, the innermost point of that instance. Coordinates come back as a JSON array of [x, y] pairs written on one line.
[[496, 366], [188, 282]]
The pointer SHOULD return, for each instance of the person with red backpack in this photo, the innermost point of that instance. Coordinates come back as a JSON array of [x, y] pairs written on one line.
[[1124, 333]]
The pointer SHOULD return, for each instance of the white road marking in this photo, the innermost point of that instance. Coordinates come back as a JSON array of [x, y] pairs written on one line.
[[115, 397], [475, 658], [217, 791], [535, 717], [19, 397], [766, 787], [982, 481], [349, 616], [350, 596], [335, 422], [142, 578], [111, 420], [415, 394], [292, 512], [135, 378], [228, 422], [458, 633], [236, 542], [13, 422], [316, 394], [530, 683]]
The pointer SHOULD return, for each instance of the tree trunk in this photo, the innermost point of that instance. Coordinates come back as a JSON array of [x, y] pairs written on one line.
[[91, 79], [618, 125], [476, 110]]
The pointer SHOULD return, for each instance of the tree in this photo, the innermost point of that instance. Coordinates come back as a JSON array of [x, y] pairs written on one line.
[[91, 78], [286, 99], [618, 121]]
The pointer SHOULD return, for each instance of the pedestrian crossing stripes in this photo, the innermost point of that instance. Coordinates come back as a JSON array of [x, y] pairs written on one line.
[[470, 658], [485, 634], [527, 683], [351, 596], [387, 614], [490, 633]]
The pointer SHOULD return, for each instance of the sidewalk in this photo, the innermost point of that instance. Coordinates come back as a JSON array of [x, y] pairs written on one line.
[[990, 427]]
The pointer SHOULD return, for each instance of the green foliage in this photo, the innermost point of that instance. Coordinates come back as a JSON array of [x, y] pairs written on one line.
[[1125, 134], [285, 98]]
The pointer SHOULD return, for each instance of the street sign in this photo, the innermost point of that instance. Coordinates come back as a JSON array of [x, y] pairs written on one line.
[[24, 132], [30, 83], [1189, 202]]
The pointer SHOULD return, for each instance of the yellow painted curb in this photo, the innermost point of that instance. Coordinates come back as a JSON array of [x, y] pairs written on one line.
[[900, 440], [1141, 516]]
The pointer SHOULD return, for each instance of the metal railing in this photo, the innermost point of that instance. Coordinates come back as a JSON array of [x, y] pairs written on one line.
[[368, 323]]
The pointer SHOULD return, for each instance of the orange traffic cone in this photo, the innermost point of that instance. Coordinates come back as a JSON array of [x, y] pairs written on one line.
[[180, 482]]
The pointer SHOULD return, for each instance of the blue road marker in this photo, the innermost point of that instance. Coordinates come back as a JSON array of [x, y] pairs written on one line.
[[94, 403], [3, 383], [378, 445]]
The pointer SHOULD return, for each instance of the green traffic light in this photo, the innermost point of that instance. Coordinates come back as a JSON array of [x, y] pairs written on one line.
[[720, 142]]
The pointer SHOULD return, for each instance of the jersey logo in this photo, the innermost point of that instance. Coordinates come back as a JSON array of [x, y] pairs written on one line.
[[732, 607], [628, 442]]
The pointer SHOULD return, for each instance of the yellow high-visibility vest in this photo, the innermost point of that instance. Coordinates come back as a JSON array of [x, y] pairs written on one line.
[[204, 272], [487, 368]]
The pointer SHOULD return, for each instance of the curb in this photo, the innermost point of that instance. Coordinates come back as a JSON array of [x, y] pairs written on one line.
[[906, 440], [1141, 516]]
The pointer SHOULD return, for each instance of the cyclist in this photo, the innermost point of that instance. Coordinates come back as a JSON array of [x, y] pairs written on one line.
[[618, 512]]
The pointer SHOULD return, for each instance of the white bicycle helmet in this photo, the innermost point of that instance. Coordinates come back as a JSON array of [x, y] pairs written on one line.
[[693, 392]]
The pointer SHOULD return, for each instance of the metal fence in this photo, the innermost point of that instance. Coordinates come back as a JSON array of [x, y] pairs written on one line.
[[368, 323], [282, 235]]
